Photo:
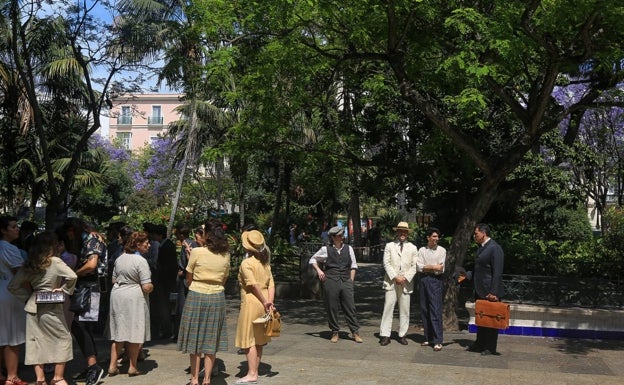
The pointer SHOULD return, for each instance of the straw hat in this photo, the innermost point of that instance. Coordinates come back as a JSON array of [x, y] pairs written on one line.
[[402, 226], [253, 241]]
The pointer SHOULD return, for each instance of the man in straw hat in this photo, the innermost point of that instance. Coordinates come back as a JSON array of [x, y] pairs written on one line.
[[337, 276], [399, 261]]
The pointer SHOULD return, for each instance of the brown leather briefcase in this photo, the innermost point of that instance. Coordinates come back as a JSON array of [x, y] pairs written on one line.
[[493, 315]]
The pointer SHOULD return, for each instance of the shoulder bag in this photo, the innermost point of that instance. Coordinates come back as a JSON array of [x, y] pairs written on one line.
[[80, 301]]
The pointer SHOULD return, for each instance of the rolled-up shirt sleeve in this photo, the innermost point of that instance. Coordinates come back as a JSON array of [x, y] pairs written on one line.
[[320, 256], [353, 261]]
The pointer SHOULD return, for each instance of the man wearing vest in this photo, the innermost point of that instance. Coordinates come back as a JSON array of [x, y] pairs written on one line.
[[335, 265]]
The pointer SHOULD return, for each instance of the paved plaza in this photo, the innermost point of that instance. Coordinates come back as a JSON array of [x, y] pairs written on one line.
[[304, 355]]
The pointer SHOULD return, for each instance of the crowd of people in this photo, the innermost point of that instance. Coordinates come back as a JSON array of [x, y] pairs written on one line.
[[134, 285]]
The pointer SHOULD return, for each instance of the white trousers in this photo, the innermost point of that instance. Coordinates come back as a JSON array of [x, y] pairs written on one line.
[[392, 296]]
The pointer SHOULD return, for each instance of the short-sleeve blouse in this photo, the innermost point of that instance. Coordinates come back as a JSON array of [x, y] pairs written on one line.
[[209, 270]]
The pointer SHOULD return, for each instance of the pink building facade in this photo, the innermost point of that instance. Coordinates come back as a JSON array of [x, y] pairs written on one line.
[[136, 120]]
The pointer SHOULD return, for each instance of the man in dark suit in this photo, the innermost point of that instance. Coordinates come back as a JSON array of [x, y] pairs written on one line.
[[164, 283], [488, 284]]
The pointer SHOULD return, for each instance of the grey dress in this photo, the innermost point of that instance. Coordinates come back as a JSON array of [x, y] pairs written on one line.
[[47, 334], [129, 305]]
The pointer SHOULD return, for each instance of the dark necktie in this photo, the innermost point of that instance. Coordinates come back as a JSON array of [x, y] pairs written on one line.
[[401, 247]]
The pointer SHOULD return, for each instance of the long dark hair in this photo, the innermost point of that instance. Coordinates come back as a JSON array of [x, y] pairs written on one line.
[[45, 246], [125, 233], [215, 236], [76, 227]]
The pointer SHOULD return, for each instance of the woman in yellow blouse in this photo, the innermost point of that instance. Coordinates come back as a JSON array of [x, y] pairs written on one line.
[[257, 294], [203, 324]]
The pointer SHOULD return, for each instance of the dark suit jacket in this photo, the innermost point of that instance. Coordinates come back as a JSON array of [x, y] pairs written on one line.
[[488, 270], [167, 270]]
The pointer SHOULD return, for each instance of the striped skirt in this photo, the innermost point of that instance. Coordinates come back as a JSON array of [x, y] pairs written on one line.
[[203, 326]]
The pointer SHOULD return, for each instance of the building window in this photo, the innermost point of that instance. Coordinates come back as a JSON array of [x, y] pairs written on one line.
[[125, 140], [126, 116], [156, 117]]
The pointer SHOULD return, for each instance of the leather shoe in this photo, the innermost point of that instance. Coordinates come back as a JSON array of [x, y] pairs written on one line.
[[384, 341], [489, 353], [334, 337], [403, 340], [357, 338]]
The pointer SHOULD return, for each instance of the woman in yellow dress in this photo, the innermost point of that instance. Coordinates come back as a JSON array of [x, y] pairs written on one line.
[[257, 295]]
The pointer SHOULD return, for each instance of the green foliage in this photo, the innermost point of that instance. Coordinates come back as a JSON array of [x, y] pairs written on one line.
[[613, 233], [533, 254], [144, 206], [388, 221], [284, 261]]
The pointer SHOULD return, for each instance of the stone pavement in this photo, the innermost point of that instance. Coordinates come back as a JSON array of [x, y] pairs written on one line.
[[304, 355]]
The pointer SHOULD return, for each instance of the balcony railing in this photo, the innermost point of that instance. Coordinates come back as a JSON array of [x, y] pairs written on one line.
[[155, 120], [124, 120]]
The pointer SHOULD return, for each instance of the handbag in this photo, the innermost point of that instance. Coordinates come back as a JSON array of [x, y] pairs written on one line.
[[273, 324], [47, 296], [493, 315], [80, 301]]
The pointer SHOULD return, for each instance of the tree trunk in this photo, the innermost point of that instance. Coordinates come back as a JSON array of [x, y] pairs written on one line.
[[354, 214], [278, 226], [189, 159], [461, 240], [241, 204], [176, 198]]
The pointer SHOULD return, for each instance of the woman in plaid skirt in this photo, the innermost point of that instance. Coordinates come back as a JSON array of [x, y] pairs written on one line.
[[203, 324]]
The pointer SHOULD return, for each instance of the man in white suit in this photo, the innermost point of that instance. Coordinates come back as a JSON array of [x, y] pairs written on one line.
[[400, 264]]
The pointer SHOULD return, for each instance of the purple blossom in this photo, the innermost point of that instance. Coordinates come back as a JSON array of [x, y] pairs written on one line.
[[115, 153], [160, 174], [156, 173]]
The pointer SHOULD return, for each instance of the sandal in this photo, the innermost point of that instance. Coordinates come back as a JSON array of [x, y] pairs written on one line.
[[135, 373], [113, 372], [41, 382], [437, 347], [15, 381], [54, 382]]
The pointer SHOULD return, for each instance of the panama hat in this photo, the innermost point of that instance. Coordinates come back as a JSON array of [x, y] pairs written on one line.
[[402, 226], [253, 241]]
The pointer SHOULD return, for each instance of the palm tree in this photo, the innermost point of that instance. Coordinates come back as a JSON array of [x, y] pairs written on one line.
[[48, 71], [155, 27]]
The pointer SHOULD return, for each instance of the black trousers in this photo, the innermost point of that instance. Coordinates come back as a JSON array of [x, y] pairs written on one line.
[[81, 330], [487, 338], [339, 294]]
